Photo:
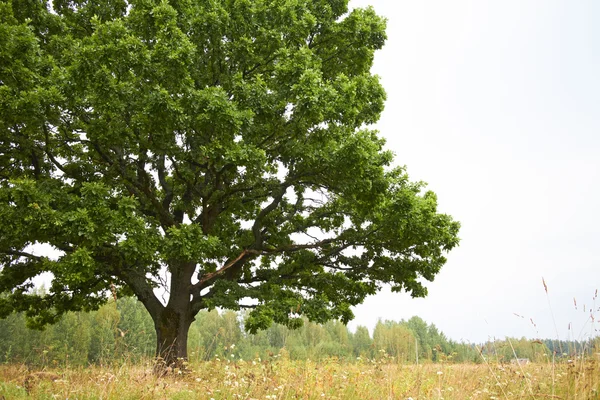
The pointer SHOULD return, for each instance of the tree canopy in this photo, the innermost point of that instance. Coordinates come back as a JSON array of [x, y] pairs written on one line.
[[216, 150]]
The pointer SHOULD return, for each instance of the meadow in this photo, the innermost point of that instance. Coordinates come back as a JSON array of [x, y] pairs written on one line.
[[107, 354], [278, 377]]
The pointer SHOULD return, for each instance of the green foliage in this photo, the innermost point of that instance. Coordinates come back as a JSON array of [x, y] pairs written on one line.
[[124, 333], [361, 342], [135, 330], [396, 340], [533, 350], [224, 142]]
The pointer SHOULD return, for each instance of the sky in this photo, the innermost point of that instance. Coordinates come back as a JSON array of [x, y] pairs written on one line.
[[496, 105]]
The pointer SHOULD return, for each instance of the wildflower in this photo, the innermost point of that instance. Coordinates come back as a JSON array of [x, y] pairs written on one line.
[[439, 372]]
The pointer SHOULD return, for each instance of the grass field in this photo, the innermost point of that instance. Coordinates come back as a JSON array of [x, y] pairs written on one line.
[[279, 378]]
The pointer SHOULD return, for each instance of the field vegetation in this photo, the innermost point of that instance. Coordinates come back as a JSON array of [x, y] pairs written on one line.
[[278, 377], [107, 354]]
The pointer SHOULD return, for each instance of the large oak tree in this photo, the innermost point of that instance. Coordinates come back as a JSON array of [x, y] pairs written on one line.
[[217, 152]]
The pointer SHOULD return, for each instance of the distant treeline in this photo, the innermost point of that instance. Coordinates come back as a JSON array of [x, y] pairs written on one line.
[[123, 331]]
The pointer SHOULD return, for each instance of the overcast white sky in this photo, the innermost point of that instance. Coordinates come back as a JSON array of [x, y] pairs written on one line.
[[496, 104]]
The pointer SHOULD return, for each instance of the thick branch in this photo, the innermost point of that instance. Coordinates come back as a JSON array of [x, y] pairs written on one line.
[[143, 291], [257, 226], [136, 187], [164, 184], [207, 278], [295, 247], [50, 155], [22, 254]]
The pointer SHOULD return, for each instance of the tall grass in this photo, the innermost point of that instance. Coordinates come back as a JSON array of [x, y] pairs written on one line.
[[281, 378]]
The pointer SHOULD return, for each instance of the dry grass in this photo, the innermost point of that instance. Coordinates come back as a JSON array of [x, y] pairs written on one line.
[[284, 379]]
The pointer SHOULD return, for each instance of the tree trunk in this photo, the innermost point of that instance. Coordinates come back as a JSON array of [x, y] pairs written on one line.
[[172, 327], [171, 321]]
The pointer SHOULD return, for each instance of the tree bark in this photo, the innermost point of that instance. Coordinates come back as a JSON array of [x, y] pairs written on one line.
[[172, 322], [172, 327]]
